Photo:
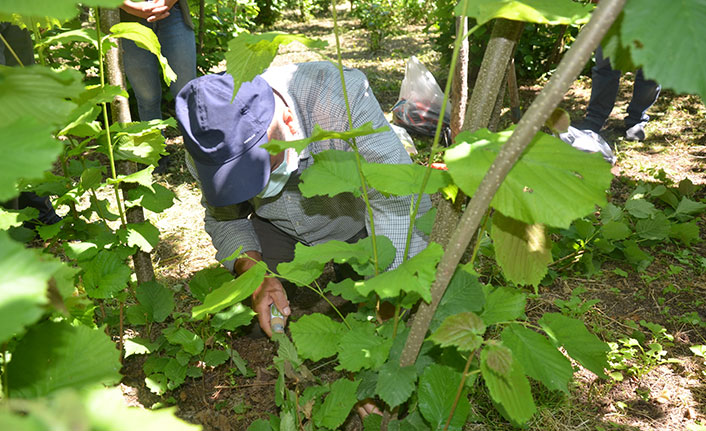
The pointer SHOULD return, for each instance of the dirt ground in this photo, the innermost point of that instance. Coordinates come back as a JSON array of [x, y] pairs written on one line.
[[668, 397]]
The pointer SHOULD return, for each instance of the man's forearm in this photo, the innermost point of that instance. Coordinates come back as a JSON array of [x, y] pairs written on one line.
[[244, 263]]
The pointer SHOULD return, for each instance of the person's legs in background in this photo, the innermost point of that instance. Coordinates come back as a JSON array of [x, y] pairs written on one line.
[[644, 95], [605, 82], [179, 47], [144, 73]]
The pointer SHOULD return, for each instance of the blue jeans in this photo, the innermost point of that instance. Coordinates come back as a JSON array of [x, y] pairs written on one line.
[[604, 90], [143, 70]]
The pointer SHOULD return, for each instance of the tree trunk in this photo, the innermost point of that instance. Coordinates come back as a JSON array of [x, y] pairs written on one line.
[[497, 55], [459, 85], [569, 68], [120, 113]]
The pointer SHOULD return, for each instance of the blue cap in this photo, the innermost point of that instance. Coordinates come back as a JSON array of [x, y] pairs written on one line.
[[224, 138]]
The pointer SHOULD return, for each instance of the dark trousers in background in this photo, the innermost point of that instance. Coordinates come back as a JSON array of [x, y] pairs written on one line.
[[605, 84]]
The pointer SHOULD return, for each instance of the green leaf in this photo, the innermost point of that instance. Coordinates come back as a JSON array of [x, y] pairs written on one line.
[[14, 218], [145, 38], [656, 227], [333, 172], [541, 360], [414, 275], [611, 213], [37, 92], [30, 152], [145, 148], [316, 336], [688, 208], [231, 293], [143, 177], [512, 390], [640, 208], [498, 358], [59, 9], [91, 178], [651, 36], [157, 300], [395, 384], [581, 345], [79, 35], [105, 275], [233, 317], [24, 277], [536, 11], [437, 391], [361, 348], [402, 180], [309, 261], [215, 358], [156, 201], [338, 404], [260, 425], [636, 256], [249, 54], [462, 330], [175, 372], [503, 304], [523, 251], [56, 355], [207, 280], [685, 232], [108, 412], [552, 183], [615, 231], [144, 236], [138, 346], [464, 293], [346, 289], [191, 342], [425, 223], [156, 383], [318, 134], [372, 423]]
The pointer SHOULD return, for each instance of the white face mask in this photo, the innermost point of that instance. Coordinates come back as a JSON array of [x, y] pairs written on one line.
[[280, 176]]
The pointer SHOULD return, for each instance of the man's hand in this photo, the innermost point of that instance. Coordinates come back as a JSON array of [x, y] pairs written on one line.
[[269, 292], [151, 11]]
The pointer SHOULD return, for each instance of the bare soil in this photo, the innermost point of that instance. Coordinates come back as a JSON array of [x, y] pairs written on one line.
[[666, 398]]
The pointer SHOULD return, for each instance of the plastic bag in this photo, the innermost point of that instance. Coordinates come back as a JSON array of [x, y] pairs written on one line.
[[589, 142], [419, 104]]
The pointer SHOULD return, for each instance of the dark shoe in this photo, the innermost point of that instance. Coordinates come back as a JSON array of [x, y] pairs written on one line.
[[163, 165], [636, 132], [587, 125]]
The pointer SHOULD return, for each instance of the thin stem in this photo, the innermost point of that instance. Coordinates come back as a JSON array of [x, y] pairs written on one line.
[[476, 247], [397, 319], [37, 38], [5, 388], [321, 294], [121, 329], [460, 389], [12, 51], [106, 123], [352, 142]]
